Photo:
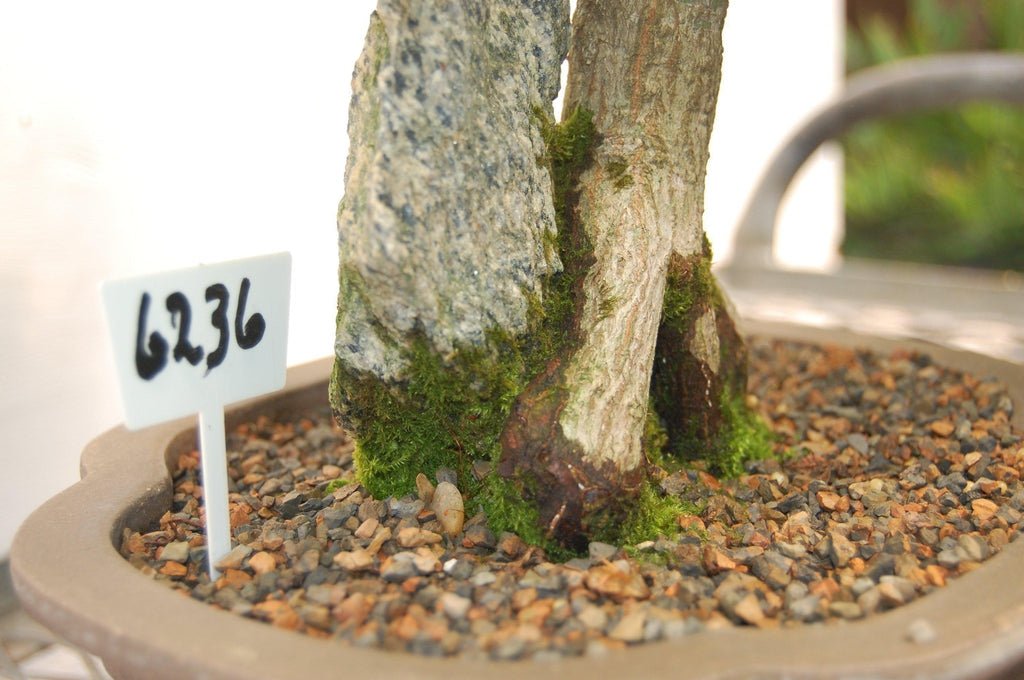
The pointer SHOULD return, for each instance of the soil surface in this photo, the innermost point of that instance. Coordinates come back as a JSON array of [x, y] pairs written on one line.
[[899, 475]]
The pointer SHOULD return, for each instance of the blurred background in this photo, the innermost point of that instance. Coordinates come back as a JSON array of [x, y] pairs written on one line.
[[944, 187], [137, 137]]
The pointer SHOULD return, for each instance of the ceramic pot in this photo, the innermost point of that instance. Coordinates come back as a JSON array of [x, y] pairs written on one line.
[[69, 575]]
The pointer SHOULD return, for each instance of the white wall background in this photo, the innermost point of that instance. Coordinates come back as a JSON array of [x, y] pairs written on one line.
[[139, 136]]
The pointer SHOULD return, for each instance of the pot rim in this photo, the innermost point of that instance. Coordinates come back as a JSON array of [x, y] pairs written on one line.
[[69, 574]]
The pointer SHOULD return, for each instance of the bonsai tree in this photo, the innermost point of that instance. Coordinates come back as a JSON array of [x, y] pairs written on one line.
[[526, 300]]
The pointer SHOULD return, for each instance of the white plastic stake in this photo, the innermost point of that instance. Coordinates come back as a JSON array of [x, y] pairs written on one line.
[[192, 341], [214, 461]]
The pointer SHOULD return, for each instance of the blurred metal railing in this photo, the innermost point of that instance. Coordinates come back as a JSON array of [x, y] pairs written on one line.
[[966, 308]]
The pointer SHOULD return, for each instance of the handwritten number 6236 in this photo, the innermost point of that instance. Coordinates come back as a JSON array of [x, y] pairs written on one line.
[[151, 353]]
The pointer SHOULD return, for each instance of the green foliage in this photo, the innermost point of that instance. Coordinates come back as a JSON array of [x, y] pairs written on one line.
[[941, 187]]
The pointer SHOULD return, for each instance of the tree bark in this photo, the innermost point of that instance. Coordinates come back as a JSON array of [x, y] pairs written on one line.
[[650, 72]]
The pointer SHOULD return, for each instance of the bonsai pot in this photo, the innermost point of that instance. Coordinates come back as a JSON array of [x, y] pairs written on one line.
[[68, 573]]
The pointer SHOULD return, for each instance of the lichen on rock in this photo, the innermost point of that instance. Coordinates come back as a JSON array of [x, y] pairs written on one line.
[[446, 213]]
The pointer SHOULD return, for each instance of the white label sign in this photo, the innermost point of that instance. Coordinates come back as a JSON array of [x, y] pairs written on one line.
[[190, 340]]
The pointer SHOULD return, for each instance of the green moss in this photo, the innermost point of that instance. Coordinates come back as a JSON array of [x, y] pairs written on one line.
[[655, 438], [450, 411], [618, 172], [743, 438], [654, 515], [685, 288]]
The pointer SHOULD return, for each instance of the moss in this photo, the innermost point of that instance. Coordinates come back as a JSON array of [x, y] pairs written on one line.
[[449, 411], [655, 438], [654, 515], [744, 438], [618, 172]]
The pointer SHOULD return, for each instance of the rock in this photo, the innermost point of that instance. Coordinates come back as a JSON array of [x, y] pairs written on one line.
[[593, 617], [412, 537], [599, 552], [454, 606], [440, 176], [424, 489], [895, 590], [618, 581], [744, 607], [355, 560], [447, 503], [174, 569], [630, 627], [404, 507], [921, 632], [175, 551], [510, 545], [262, 563], [478, 535], [983, 509], [233, 560], [773, 569], [840, 549], [845, 610], [974, 547], [367, 529], [858, 442], [806, 609], [399, 567]]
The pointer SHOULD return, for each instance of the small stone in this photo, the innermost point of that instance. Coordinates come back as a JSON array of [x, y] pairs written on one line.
[[630, 627], [840, 549], [458, 569], [715, 561], [426, 562], [593, 617], [511, 545], [399, 567], [412, 537], [772, 568], [233, 560], [173, 569], [454, 606], [446, 476], [921, 632], [974, 547], [404, 508], [262, 563], [746, 608], [845, 610], [895, 590], [870, 600], [448, 505], [617, 580], [983, 509], [355, 560], [424, 489], [331, 471], [478, 535], [600, 552], [858, 442], [176, 551], [943, 428], [807, 608], [367, 529], [483, 578]]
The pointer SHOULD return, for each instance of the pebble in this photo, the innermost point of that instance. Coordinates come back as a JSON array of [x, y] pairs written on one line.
[[873, 511], [447, 503], [234, 558], [630, 627]]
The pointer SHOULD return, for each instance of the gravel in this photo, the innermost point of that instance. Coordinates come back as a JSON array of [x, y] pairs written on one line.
[[900, 476]]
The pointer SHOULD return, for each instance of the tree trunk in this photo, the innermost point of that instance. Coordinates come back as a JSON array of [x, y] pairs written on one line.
[[649, 72], [467, 328]]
